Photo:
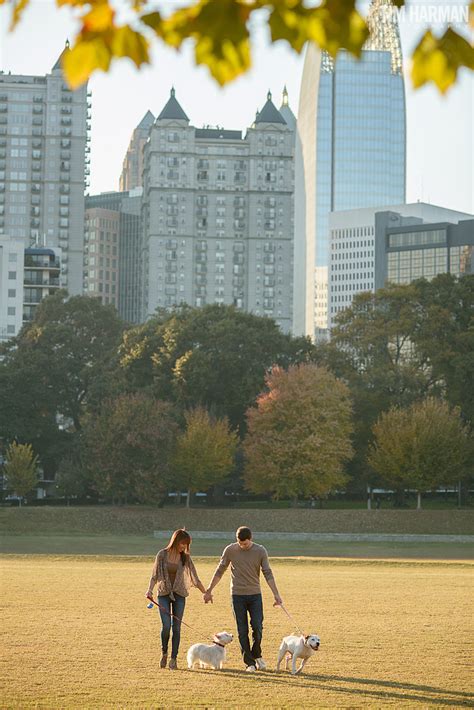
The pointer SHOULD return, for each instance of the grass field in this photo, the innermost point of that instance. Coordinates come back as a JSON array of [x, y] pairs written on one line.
[[77, 634], [60, 544]]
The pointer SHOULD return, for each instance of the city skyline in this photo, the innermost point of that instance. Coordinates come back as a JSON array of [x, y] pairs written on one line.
[[435, 172]]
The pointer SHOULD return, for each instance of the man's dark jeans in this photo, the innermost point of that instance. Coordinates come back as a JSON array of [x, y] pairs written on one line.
[[244, 605], [168, 607]]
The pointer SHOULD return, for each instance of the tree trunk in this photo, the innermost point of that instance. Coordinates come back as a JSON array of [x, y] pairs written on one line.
[[418, 501], [188, 498], [19, 501], [294, 502], [369, 498]]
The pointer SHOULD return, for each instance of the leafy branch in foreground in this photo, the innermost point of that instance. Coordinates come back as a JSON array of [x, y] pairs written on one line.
[[219, 31]]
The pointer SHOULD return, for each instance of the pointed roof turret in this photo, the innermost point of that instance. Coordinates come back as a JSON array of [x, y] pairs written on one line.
[[269, 113], [173, 109], [59, 60], [147, 121], [286, 112]]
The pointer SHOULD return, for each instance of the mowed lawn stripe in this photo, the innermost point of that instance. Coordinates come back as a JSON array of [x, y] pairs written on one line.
[[76, 633]]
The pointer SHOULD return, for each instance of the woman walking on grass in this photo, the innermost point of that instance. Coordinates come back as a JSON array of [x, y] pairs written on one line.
[[175, 574]]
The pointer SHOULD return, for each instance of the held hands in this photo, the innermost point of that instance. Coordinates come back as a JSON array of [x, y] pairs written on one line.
[[207, 596]]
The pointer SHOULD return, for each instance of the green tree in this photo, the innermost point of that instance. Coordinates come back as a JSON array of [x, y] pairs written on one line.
[[204, 453], [421, 447], [215, 357], [373, 351], [220, 33], [443, 334], [127, 448], [59, 363], [299, 434], [21, 466]]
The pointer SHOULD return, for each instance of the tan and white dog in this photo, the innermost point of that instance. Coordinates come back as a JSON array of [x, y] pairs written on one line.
[[212, 654], [297, 647]]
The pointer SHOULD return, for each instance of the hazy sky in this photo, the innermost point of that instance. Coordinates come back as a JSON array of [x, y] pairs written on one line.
[[440, 153]]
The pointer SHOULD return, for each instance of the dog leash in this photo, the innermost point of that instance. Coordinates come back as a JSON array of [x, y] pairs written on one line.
[[291, 619], [159, 606]]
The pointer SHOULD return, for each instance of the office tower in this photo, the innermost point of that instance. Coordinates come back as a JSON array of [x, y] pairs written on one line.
[[408, 249], [218, 214], [132, 169], [112, 251], [358, 247], [43, 165], [352, 143]]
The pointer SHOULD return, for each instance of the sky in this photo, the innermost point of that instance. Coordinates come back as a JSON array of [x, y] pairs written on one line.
[[440, 143]]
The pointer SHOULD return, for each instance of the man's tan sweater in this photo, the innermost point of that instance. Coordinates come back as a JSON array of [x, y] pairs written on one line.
[[245, 566]]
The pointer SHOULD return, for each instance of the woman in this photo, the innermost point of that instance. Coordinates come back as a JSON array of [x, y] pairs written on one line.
[[175, 573]]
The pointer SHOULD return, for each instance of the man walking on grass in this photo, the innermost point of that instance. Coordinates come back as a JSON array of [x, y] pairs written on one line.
[[246, 559]]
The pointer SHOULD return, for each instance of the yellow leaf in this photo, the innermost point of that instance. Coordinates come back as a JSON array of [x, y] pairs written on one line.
[[83, 58], [128, 43], [99, 19], [438, 59], [219, 30], [18, 8]]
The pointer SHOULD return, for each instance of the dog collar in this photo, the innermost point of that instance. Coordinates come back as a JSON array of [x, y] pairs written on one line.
[[218, 644]]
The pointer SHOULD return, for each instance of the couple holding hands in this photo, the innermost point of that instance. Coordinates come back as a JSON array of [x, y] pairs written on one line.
[[174, 573]]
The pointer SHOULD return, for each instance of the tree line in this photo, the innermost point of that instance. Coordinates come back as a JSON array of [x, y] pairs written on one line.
[[201, 399]]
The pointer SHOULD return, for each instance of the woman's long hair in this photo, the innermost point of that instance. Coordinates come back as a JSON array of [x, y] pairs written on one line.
[[180, 535]]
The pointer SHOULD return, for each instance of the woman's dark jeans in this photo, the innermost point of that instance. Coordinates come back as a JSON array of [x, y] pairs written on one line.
[[245, 605], [168, 607]]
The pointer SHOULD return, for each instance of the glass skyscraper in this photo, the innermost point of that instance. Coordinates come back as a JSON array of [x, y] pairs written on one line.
[[351, 151]]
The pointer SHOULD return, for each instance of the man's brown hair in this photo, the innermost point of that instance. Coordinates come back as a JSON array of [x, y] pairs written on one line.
[[244, 533]]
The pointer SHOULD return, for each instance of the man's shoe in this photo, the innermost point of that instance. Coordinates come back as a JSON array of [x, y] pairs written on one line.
[[163, 660], [250, 669], [261, 665], [173, 664]]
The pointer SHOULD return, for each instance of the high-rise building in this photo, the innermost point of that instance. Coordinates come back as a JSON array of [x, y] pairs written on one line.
[[408, 248], [351, 151], [101, 254], [321, 303], [26, 277], [44, 165], [132, 169], [218, 214], [11, 286], [358, 253], [113, 249]]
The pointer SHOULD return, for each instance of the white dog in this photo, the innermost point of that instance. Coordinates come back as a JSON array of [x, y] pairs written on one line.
[[210, 654], [297, 647]]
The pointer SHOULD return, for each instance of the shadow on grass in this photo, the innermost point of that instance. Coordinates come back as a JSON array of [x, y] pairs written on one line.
[[384, 689]]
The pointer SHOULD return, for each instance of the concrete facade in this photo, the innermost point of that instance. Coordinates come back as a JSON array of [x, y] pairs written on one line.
[[218, 214], [44, 166]]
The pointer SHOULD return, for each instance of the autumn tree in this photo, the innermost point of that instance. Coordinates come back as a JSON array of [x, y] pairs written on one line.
[[127, 448], [421, 447], [299, 434], [204, 453], [214, 357], [220, 32], [21, 466]]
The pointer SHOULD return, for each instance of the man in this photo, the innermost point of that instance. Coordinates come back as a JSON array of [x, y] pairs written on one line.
[[246, 559]]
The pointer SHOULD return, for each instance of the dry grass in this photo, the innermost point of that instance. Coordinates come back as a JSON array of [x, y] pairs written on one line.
[[76, 633], [143, 520]]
